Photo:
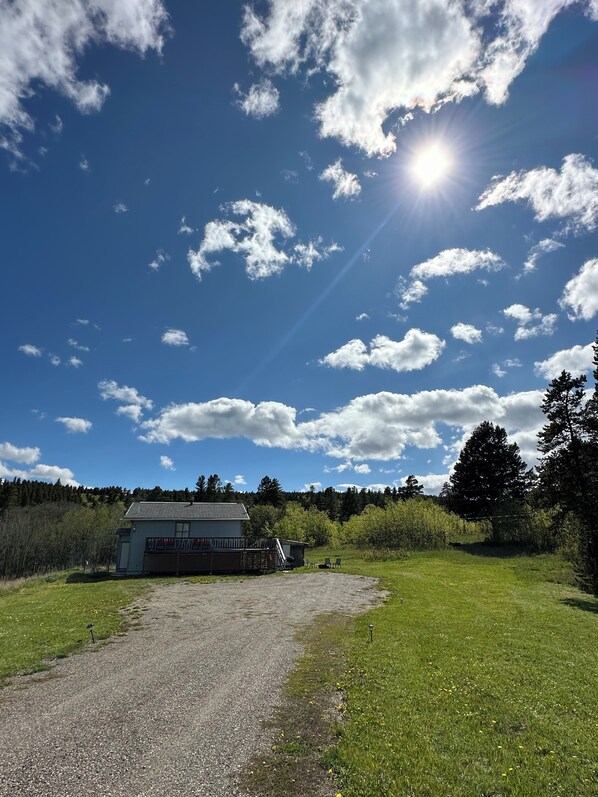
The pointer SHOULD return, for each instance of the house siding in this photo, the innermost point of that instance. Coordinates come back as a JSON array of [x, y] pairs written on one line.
[[142, 529]]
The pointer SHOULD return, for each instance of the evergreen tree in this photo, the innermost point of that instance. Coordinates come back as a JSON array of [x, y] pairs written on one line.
[[269, 491], [200, 488], [412, 488], [489, 470]]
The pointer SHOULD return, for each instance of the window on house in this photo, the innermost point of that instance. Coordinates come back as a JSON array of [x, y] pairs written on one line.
[[181, 529]]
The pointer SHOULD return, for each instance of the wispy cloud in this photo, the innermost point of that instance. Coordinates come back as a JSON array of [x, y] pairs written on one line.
[[84, 165], [447, 263], [160, 258], [535, 253], [184, 228], [571, 194], [262, 99], [75, 362], [260, 237], [76, 345], [120, 207], [41, 44], [345, 183]]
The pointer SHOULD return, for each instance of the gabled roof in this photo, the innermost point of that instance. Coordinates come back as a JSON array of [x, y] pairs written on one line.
[[185, 510]]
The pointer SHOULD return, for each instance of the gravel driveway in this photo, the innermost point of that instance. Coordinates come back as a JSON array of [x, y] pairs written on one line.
[[175, 707]]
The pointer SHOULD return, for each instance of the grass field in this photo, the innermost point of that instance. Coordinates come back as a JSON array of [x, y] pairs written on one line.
[[482, 680]]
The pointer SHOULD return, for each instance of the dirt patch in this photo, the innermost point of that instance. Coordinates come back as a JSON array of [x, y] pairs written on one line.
[[177, 708]]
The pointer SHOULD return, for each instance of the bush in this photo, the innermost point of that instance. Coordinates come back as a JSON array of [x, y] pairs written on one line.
[[311, 525], [408, 525]]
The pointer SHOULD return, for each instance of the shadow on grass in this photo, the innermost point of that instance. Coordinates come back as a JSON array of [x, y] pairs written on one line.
[[489, 550], [585, 604], [89, 578]]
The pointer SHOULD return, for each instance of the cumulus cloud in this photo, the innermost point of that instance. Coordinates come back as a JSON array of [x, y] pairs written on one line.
[[259, 237], [414, 352], [466, 333], [75, 362], [30, 350], [84, 165], [388, 56], [167, 463], [132, 402], [580, 294], [576, 360], [361, 317], [345, 183], [344, 466], [378, 426], [240, 480], [15, 454], [262, 99], [41, 41], [536, 252], [571, 194], [40, 472], [175, 337], [530, 323], [75, 425], [447, 263], [120, 207]]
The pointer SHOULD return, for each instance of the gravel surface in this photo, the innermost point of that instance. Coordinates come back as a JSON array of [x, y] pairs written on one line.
[[176, 706]]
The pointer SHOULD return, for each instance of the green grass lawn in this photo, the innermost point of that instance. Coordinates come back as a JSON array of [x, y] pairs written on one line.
[[46, 618], [482, 680]]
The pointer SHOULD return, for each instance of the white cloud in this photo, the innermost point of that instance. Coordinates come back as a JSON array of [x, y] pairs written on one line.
[[40, 472], [580, 294], [307, 488], [344, 466], [84, 165], [15, 454], [259, 238], [167, 463], [447, 263], [184, 228], [120, 207], [361, 317], [133, 403], [385, 56], [345, 183], [30, 350], [571, 194], [41, 40], [415, 351], [75, 345], [75, 425], [466, 333], [262, 99], [75, 362], [240, 480], [492, 329], [576, 360], [160, 258], [530, 323], [175, 337], [377, 426], [536, 252], [432, 482], [54, 359], [497, 370], [82, 322]]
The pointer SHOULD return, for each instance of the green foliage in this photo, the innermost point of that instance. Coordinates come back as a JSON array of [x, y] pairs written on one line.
[[569, 468], [37, 539], [517, 523], [311, 525], [269, 491], [408, 525], [489, 470], [262, 519]]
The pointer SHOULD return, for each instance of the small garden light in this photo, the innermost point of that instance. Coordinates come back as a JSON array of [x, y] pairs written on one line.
[[371, 632], [90, 626]]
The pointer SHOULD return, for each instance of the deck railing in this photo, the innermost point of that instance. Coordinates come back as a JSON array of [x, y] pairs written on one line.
[[205, 544]]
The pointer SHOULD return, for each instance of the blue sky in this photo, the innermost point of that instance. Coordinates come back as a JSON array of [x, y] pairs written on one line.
[[271, 238]]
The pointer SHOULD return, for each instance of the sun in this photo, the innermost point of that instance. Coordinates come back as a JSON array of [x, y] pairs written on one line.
[[431, 165]]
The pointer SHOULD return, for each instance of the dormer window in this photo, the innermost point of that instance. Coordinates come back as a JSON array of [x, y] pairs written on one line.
[[181, 529]]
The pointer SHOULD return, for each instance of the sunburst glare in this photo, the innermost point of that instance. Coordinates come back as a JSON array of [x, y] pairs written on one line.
[[431, 165]]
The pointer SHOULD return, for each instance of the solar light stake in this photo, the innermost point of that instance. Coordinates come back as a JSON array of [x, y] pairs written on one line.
[[371, 632], [90, 626]]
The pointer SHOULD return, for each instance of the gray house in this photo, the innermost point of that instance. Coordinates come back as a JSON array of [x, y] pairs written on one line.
[[175, 537]]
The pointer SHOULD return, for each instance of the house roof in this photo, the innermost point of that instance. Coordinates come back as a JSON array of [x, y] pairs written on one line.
[[185, 510]]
